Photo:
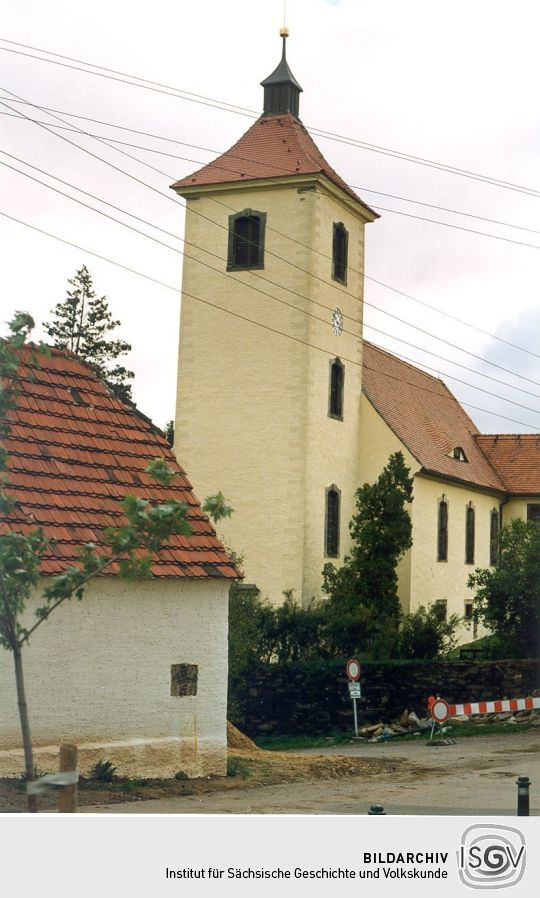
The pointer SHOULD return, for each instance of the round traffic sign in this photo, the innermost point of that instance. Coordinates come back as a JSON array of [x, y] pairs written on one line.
[[353, 670], [439, 710]]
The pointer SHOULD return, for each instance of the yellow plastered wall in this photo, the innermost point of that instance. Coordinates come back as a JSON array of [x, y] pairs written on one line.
[[251, 416], [517, 508], [433, 580], [422, 579]]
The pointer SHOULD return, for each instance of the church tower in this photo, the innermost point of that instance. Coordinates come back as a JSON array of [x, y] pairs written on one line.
[[269, 381]]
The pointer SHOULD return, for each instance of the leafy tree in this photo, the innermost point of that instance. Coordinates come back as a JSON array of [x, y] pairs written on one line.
[[216, 507], [507, 597], [423, 634], [147, 527], [363, 609], [251, 622], [82, 324], [298, 632]]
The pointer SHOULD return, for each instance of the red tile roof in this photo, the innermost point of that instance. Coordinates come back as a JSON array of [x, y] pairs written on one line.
[[426, 417], [274, 147], [516, 458], [75, 451]]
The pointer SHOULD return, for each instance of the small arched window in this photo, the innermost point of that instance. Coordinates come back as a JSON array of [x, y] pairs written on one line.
[[494, 537], [331, 530], [469, 534], [335, 399], [340, 252], [246, 240], [442, 530]]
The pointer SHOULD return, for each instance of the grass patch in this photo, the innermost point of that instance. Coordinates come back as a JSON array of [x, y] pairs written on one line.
[[237, 766], [288, 743]]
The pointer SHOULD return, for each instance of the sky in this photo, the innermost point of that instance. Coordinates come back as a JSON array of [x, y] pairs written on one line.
[[454, 83]]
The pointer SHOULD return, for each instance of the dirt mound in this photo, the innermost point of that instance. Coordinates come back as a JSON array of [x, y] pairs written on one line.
[[236, 739]]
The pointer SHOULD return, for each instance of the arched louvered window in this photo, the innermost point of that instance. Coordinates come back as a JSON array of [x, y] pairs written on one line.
[[340, 252], [246, 240], [337, 379], [469, 534], [494, 537], [331, 532], [442, 530]]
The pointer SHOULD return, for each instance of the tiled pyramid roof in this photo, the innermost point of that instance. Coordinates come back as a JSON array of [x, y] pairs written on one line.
[[426, 417], [275, 146], [515, 457], [75, 450]]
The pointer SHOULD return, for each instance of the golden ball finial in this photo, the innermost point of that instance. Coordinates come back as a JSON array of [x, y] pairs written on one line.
[[284, 32]]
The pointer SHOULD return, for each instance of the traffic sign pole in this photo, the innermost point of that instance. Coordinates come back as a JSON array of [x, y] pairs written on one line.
[[355, 690]]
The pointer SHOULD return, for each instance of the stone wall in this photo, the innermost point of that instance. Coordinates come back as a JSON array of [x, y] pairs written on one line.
[[313, 698]]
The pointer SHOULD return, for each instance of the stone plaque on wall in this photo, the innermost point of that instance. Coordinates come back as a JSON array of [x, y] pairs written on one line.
[[184, 679]]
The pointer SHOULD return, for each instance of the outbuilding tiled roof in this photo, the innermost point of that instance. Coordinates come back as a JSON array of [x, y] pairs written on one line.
[[75, 450], [275, 146], [426, 417], [515, 457]]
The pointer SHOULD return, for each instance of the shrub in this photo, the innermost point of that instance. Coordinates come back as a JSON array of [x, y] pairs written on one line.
[[103, 772], [423, 635]]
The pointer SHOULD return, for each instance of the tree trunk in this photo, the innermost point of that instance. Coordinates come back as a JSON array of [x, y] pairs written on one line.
[[25, 727]]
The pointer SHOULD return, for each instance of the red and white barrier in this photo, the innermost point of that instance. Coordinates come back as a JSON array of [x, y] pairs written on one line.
[[495, 707], [441, 710]]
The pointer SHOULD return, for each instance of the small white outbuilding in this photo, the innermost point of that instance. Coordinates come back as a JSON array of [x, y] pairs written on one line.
[[136, 673]]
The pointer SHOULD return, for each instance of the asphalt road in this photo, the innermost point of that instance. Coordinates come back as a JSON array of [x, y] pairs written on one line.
[[476, 776]]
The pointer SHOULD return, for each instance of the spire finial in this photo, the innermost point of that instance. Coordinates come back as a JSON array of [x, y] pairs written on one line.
[[281, 89], [284, 33]]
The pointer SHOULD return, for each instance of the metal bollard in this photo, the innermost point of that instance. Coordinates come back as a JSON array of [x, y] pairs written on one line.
[[523, 783], [376, 810]]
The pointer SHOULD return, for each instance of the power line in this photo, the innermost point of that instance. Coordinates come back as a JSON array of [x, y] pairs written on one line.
[[182, 94], [89, 252], [259, 277], [312, 249], [251, 286], [217, 163], [382, 373]]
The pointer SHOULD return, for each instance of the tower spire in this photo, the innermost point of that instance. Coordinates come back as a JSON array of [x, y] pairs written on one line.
[[281, 89]]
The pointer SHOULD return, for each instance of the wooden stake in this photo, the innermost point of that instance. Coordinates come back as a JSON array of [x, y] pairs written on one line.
[[67, 802]]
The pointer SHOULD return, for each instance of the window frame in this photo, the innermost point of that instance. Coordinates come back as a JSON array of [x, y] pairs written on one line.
[[530, 516], [336, 364], [329, 549], [442, 544], [232, 265], [494, 515], [339, 227], [470, 533]]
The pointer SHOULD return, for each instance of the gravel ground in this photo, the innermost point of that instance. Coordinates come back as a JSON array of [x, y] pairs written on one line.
[[476, 776]]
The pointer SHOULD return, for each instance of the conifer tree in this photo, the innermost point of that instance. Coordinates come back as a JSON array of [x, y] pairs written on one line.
[[363, 610], [82, 323]]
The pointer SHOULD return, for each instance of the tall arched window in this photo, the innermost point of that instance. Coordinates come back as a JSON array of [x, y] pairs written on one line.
[[494, 537], [442, 530], [246, 240], [469, 534], [331, 530], [340, 252], [335, 399]]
